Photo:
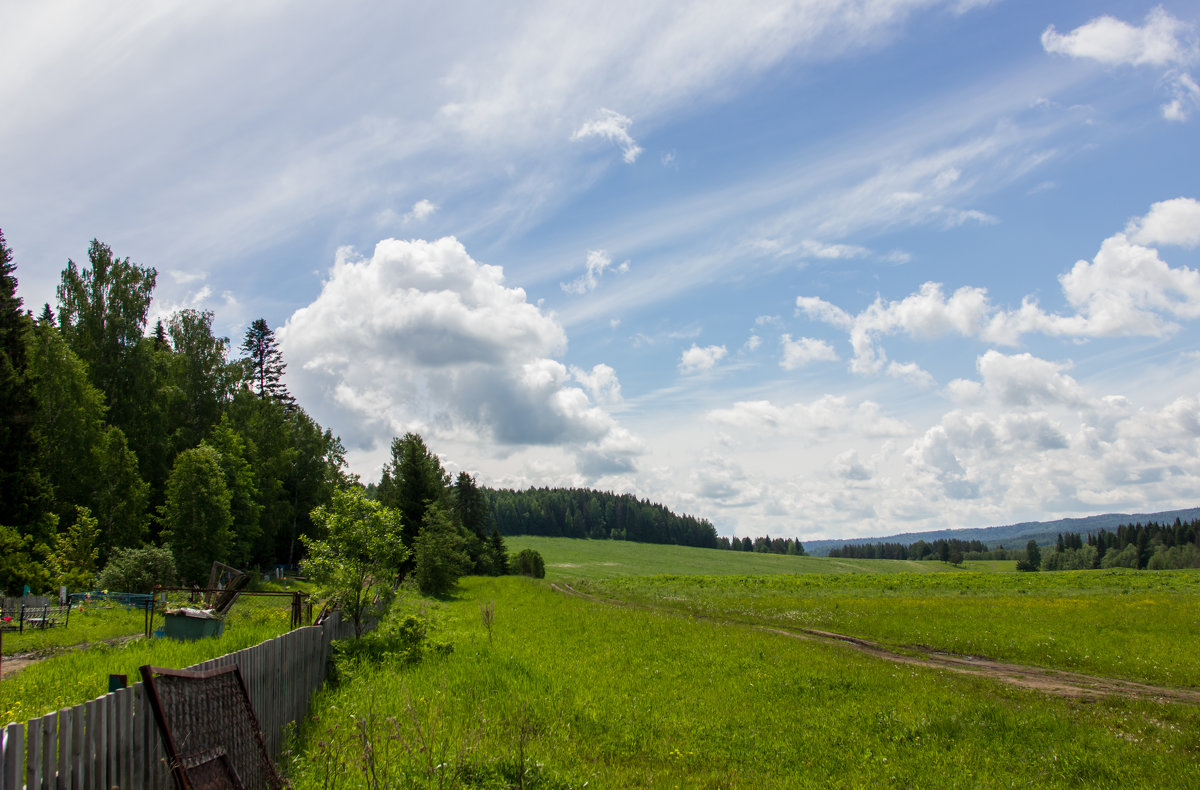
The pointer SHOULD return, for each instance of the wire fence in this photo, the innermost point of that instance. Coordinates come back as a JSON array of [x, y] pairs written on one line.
[[286, 610]]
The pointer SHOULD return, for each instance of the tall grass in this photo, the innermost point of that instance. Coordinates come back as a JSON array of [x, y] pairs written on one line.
[[562, 692], [1138, 625], [74, 676], [96, 623]]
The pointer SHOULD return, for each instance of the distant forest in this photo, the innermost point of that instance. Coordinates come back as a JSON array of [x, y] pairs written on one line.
[[585, 513], [1152, 546]]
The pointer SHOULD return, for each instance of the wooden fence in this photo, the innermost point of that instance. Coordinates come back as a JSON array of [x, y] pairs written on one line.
[[112, 740]]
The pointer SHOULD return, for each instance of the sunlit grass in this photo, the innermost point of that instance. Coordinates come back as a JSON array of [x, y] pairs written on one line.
[[572, 558], [567, 693], [73, 676], [87, 624], [1138, 625]]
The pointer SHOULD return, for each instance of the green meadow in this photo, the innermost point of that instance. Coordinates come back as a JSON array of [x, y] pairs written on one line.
[[523, 686], [568, 558]]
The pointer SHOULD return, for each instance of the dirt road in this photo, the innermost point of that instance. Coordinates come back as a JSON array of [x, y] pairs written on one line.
[[1050, 681]]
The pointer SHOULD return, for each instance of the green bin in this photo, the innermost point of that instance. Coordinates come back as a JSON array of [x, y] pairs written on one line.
[[183, 626]]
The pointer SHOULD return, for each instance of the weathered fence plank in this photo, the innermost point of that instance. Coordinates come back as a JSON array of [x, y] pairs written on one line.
[[33, 753], [113, 741], [77, 746], [64, 749], [12, 751]]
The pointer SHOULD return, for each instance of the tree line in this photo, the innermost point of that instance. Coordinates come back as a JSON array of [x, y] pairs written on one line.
[[1150, 546], [132, 456], [117, 439], [950, 550]]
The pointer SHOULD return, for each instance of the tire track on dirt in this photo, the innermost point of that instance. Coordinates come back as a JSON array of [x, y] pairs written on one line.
[[1061, 683]]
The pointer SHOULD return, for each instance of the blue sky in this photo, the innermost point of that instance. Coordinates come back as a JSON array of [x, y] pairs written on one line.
[[811, 269]]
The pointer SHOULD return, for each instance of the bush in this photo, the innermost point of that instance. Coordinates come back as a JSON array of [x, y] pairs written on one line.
[[400, 640], [138, 570], [529, 563]]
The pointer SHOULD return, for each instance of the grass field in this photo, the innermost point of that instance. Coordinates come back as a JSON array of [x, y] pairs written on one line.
[[568, 558], [87, 625], [572, 693], [81, 657]]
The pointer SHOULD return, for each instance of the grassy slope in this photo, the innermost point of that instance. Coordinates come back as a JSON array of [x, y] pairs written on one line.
[[572, 693], [569, 558]]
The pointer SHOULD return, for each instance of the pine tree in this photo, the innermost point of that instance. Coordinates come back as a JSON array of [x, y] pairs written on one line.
[[264, 364], [24, 494]]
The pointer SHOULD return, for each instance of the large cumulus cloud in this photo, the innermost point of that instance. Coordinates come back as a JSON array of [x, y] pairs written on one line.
[[422, 337]]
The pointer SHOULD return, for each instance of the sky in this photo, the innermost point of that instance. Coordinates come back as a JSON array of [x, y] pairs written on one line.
[[812, 269]]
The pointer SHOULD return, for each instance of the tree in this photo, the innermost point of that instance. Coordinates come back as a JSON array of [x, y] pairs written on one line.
[[1033, 557], [201, 379], [244, 505], [24, 494], [497, 555], [75, 555], [529, 563], [264, 364], [195, 516], [360, 555], [411, 482], [83, 461], [102, 314], [470, 508], [21, 562], [438, 553], [138, 570], [118, 497]]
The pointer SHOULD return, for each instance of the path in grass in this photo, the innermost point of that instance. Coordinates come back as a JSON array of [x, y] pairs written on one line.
[[1051, 681], [15, 663]]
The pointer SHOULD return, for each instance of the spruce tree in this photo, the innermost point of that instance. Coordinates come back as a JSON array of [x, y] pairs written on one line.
[[23, 492], [264, 364]]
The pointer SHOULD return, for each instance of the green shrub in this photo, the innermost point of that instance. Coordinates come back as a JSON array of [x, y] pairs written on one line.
[[529, 563], [138, 570]]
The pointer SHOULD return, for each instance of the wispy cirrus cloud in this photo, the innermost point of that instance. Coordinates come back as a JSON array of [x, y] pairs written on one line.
[[614, 127], [598, 262]]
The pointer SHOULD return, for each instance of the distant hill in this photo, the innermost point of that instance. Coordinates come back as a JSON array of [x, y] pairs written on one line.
[[1015, 536]]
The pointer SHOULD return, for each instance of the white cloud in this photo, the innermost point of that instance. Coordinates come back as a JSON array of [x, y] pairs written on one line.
[[964, 391], [1174, 221], [1025, 380], [697, 359], [614, 127], [421, 210], [752, 343], [912, 372], [601, 383], [925, 314], [849, 467], [422, 337], [1163, 41], [1126, 290], [803, 350], [1186, 97], [809, 248], [1160, 42], [598, 262]]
